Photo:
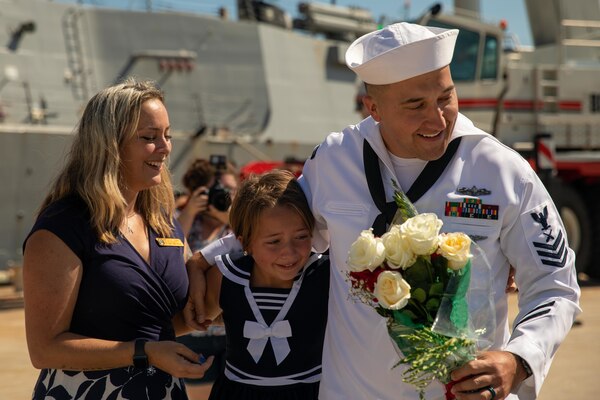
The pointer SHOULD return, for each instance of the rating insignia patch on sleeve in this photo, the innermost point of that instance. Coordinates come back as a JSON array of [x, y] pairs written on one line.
[[548, 241]]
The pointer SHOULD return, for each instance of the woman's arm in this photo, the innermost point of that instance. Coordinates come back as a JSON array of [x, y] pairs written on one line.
[[181, 328], [52, 276]]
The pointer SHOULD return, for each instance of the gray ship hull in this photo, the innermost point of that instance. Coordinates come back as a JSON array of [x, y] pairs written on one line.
[[244, 89]]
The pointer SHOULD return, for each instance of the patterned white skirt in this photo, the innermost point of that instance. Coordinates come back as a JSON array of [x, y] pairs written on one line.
[[127, 383]]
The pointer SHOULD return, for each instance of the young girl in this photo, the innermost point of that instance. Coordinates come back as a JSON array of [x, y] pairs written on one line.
[[273, 295]]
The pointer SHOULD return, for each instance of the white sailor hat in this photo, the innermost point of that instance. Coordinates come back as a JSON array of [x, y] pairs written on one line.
[[400, 51]]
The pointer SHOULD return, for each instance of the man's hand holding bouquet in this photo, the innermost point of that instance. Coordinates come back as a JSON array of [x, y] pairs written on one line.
[[420, 280]]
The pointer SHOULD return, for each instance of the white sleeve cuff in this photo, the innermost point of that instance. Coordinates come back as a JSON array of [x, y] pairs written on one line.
[[224, 245]]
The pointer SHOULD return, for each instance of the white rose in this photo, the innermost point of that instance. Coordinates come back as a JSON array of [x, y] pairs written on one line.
[[367, 252], [397, 249], [422, 233], [392, 290], [456, 248]]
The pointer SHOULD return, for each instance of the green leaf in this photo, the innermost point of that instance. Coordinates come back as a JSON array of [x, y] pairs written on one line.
[[419, 295], [436, 289], [406, 209], [405, 317], [419, 274], [432, 305], [421, 315]]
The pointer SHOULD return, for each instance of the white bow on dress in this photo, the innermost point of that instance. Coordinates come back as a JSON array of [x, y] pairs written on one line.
[[260, 334]]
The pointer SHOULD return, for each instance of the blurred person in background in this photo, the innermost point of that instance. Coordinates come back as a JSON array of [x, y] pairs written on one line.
[[204, 211]]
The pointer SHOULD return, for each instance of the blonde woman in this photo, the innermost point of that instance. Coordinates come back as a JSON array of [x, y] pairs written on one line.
[[104, 269]]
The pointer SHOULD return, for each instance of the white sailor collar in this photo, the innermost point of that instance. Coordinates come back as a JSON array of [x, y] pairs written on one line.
[[465, 127], [368, 129]]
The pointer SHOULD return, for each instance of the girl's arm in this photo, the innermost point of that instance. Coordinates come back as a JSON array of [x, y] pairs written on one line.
[[179, 325], [214, 278], [203, 297], [194, 310], [52, 276]]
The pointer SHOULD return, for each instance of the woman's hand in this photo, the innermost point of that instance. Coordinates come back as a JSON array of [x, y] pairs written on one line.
[[177, 359]]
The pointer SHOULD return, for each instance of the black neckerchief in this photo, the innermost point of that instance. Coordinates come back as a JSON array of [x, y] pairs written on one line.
[[424, 181]]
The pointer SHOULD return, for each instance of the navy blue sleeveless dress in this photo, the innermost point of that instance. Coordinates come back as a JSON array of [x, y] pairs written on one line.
[[274, 336], [121, 298]]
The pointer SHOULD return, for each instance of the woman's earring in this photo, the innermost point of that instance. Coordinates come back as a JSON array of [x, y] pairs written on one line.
[[245, 253]]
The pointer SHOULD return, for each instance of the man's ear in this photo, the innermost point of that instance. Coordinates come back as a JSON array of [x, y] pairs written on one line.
[[371, 105]]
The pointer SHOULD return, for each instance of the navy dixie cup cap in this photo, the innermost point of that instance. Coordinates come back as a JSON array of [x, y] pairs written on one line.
[[400, 51]]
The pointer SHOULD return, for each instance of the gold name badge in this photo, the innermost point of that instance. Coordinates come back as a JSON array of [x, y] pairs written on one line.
[[169, 242]]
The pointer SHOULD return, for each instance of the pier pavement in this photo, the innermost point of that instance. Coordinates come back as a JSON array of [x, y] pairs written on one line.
[[573, 376]]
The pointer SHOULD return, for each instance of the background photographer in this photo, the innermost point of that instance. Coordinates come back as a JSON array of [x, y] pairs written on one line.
[[204, 211]]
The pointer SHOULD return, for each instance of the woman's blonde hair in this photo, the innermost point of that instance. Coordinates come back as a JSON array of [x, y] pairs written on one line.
[[92, 170], [260, 192]]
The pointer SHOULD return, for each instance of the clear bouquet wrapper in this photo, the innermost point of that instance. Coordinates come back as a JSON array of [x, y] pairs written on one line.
[[422, 281]]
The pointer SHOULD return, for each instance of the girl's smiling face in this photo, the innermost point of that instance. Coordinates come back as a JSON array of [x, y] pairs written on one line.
[[280, 247]]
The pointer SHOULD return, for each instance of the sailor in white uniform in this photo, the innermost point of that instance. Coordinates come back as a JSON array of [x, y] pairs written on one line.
[[416, 137]]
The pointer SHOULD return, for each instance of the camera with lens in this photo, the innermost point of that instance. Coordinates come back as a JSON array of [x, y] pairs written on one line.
[[218, 195]]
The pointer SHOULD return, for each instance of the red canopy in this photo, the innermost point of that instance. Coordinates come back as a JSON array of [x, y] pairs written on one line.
[[260, 167]]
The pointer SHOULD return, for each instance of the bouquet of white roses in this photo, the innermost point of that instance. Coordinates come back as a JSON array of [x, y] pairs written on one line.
[[419, 280]]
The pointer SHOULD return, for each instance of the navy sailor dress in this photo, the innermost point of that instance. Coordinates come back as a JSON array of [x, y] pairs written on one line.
[[274, 335]]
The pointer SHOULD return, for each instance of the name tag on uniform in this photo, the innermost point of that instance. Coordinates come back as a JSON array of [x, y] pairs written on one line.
[[169, 242]]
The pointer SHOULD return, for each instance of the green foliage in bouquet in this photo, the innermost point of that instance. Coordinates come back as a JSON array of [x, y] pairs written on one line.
[[406, 208], [431, 355]]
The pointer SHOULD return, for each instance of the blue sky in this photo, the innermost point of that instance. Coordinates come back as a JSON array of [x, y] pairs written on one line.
[[513, 11]]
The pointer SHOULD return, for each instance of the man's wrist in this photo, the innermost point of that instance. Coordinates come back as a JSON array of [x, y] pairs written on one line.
[[524, 365]]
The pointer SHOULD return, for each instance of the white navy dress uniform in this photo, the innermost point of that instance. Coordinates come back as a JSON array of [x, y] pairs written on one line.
[[510, 225], [482, 188], [485, 190]]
